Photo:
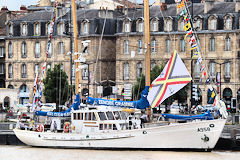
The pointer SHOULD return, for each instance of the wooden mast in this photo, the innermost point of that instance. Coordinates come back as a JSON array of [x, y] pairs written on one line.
[[75, 45], [147, 46]]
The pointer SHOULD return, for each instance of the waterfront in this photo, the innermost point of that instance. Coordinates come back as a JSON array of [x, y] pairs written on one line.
[[9, 152]]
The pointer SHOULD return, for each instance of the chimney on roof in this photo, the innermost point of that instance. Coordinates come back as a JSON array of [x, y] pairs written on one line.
[[208, 5], [23, 8], [237, 5], [4, 8]]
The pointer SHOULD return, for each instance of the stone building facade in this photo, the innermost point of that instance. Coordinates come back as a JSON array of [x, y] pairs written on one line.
[[218, 30], [120, 58]]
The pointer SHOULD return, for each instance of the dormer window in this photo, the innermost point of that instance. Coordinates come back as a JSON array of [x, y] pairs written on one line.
[[24, 29], [85, 27], [60, 28], [227, 23], [140, 25], [127, 26], [168, 25], [10, 29], [48, 28], [36, 29], [154, 25], [181, 25], [212, 23]]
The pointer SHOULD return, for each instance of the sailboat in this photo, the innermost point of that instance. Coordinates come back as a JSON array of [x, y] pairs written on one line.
[[103, 124]]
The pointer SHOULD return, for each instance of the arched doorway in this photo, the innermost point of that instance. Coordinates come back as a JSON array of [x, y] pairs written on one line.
[[24, 94], [6, 103], [10, 86], [227, 95]]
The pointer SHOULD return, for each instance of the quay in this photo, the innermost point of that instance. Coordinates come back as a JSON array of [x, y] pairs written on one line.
[[229, 140]]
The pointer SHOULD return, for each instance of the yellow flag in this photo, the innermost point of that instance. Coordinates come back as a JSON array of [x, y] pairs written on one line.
[[187, 26]]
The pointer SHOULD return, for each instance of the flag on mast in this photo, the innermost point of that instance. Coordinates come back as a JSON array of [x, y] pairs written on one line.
[[173, 77]]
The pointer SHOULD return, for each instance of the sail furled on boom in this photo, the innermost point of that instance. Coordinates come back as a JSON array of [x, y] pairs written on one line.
[[173, 77]]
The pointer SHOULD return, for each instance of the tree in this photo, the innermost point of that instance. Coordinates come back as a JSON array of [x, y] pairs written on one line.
[[53, 92]]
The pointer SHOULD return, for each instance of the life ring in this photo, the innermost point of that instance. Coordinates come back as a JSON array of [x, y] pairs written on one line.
[[66, 127], [40, 128]]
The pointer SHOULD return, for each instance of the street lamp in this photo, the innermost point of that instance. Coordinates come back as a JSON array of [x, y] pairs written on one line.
[[221, 75]]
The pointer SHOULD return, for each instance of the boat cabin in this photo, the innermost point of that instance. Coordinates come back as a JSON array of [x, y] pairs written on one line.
[[95, 120]]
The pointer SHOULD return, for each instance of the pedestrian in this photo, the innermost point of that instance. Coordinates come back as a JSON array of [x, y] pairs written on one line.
[[55, 126], [144, 119]]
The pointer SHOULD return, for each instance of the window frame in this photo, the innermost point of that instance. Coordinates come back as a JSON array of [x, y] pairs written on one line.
[[24, 49], [10, 50], [126, 71], [10, 70], [37, 49]]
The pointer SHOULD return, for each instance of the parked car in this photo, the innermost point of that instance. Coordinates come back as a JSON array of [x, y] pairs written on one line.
[[176, 109]]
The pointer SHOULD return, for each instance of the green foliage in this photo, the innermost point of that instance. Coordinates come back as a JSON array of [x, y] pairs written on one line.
[[180, 96], [52, 88]]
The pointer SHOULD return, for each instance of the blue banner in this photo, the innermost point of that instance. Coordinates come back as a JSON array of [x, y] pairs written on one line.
[[67, 113], [140, 104]]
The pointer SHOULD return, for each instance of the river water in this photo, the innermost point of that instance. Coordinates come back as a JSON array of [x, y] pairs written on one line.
[[31, 153]]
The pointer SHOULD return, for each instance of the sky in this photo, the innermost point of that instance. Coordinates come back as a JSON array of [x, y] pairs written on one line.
[[15, 4]]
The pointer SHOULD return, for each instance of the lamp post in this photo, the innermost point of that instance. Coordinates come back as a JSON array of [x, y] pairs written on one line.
[[220, 64]]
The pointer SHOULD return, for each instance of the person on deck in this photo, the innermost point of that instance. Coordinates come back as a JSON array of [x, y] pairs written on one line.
[[144, 119]]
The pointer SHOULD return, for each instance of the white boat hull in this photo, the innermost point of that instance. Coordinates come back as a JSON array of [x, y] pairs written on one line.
[[202, 135]]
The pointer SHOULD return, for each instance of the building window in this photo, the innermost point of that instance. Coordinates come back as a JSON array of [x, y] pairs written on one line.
[[10, 71], [212, 44], [50, 50], [212, 69], [60, 28], [153, 64], [127, 27], [168, 25], [182, 25], [198, 24], [182, 45], [85, 27], [2, 51], [24, 71], [197, 70], [168, 45], [73, 71], [154, 26], [48, 66], [153, 46], [139, 69], [212, 24], [85, 72], [10, 50], [2, 68], [227, 44], [140, 26], [60, 48], [37, 29], [37, 50], [24, 29], [227, 69], [36, 69], [24, 50], [126, 47], [61, 66], [126, 71], [10, 29], [228, 23], [49, 28], [140, 50]]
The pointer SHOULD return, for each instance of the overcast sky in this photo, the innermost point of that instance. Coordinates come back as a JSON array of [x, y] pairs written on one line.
[[15, 4]]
